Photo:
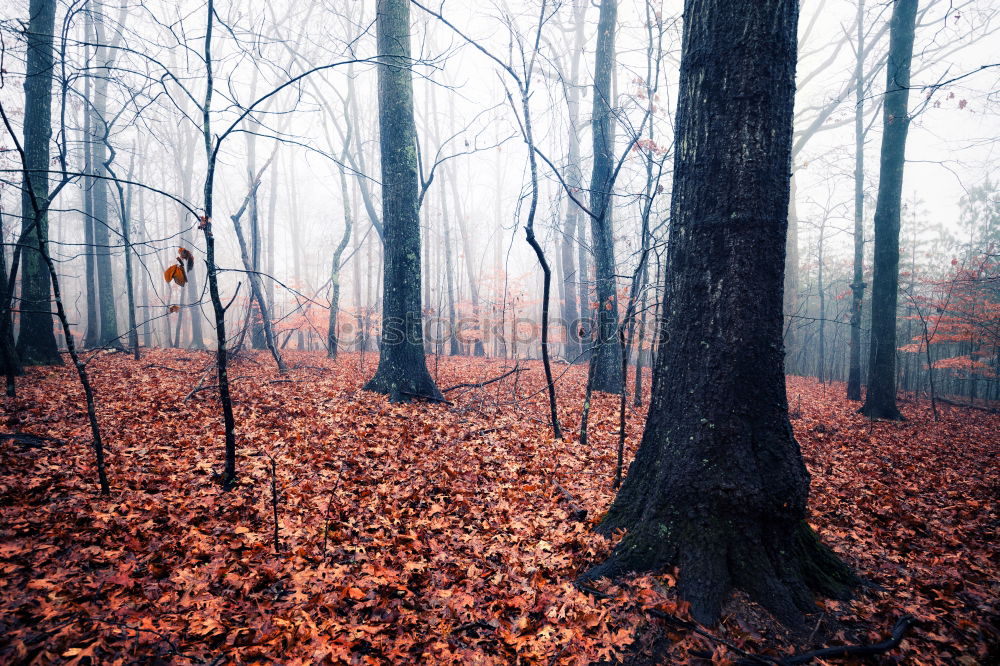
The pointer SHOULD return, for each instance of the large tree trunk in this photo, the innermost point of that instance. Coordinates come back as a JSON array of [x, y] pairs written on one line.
[[880, 401], [36, 342], [606, 363], [402, 369], [718, 487]]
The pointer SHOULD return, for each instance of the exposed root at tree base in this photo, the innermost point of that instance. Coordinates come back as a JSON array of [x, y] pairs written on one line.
[[779, 567], [405, 390]]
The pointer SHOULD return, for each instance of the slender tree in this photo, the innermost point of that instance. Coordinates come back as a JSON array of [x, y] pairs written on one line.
[[718, 487], [101, 162], [574, 348], [880, 400], [332, 341], [36, 342], [402, 368], [606, 361], [858, 282]]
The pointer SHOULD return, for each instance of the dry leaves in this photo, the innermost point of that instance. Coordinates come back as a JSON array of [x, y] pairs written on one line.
[[429, 533]]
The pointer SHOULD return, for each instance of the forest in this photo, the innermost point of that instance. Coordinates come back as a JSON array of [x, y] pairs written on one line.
[[500, 331]]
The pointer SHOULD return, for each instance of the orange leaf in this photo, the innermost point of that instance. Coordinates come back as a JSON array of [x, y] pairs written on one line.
[[175, 274]]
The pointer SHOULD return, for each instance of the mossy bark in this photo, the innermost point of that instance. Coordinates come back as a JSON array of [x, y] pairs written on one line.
[[718, 486], [36, 342], [402, 369], [605, 372]]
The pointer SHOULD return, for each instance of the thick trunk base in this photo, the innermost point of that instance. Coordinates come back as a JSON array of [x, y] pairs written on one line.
[[853, 391], [778, 565], [877, 410], [37, 355], [605, 373], [404, 384]]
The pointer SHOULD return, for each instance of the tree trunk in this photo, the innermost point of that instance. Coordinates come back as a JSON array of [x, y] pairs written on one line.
[[11, 363], [147, 329], [36, 341], [331, 336], [880, 401], [102, 223], [468, 256], [228, 478], [718, 487], [453, 347], [790, 294], [402, 368], [92, 335], [821, 360], [606, 362], [572, 275], [857, 282], [125, 214]]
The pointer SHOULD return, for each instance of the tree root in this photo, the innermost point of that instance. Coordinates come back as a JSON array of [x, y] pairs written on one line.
[[778, 566], [899, 632]]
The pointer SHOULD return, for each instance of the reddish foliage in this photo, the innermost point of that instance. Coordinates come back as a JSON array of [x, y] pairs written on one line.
[[426, 532], [176, 274]]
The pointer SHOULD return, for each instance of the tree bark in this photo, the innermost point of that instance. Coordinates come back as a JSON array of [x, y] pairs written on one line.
[[468, 258], [858, 278], [253, 277], [92, 335], [332, 341], [453, 347], [99, 189], [402, 368], [605, 364], [36, 341], [572, 275], [880, 401], [718, 487]]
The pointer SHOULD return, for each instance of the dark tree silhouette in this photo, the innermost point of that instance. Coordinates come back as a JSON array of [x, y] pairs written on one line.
[[880, 401], [402, 369], [718, 486], [36, 342]]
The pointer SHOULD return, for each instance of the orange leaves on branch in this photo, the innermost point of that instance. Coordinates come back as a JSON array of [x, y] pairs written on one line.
[[174, 308], [175, 274], [184, 255]]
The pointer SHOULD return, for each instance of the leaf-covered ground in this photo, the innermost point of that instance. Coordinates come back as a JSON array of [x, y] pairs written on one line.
[[437, 533]]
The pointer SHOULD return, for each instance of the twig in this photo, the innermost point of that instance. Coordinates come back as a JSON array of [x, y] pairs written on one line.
[[213, 386], [577, 512], [477, 433], [274, 502], [329, 503], [513, 370], [842, 651], [150, 366]]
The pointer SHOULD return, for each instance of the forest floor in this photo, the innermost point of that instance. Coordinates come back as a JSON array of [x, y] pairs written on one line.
[[439, 533]]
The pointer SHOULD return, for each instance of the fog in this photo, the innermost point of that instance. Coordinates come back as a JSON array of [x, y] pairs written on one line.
[[295, 101]]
